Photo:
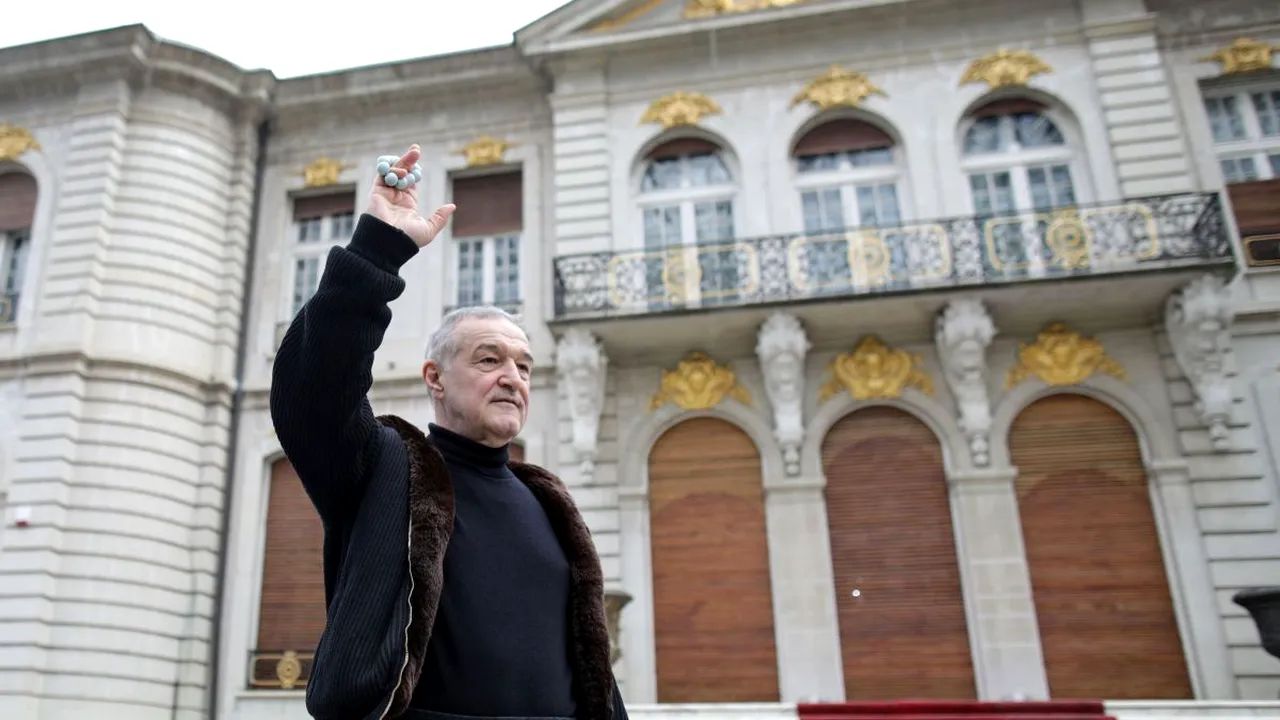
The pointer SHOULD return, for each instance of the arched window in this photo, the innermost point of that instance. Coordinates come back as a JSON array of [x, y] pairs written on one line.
[[17, 208], [1017, 159], [686, 194], [686, 200], [847, 174]]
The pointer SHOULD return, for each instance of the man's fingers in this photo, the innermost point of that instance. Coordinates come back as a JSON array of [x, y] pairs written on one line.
[[409, 159], [440, 218]]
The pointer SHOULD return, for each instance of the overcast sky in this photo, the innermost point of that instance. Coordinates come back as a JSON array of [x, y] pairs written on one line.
[[290, 38]]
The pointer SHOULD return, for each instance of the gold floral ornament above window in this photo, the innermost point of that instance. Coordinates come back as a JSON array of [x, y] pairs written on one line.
[[1005, 68], [680, 108], [1244, 55], [837, 88], [485, 150], [875, 371], [322, 172], [710, 8], [14, 141], [698, 383], [1061, 356]]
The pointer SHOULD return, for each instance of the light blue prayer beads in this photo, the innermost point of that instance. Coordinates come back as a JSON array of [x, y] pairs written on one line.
[[391, 179]]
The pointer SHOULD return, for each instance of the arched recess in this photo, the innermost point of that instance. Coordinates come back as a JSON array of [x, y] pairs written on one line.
[[291, 602], [903, 626], [712, 595], [1106, 617]]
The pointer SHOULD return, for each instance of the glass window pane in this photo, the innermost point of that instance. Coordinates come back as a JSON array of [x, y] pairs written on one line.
[[983, 137], [506, 270], [870, 157], [707, 169], [981, 188], [1003, 192], [714, 221], [1041, 196], [1224, 118], [1275, 165], [887, 202], [1267, 106], [1064, 192], [662, 226], [470, 272], [817, 163], [306, 275], [1236, 170], [823, 211], [342, 226], [867, 214], [1036, 130], [663, 174], [15, 261], [309, 230]]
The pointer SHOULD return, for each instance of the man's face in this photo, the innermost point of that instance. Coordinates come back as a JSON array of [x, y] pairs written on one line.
[[482, 392]]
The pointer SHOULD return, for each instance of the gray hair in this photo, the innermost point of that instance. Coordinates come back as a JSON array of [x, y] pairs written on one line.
[[443, 344]]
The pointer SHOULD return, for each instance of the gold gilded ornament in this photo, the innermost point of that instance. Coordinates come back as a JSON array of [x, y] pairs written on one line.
[[1061, 356], [694, 9], [485, 150], [322, 172], [1243, 55], [837, 88], [289, 670], [698, 383], [873, 371], [14, 141], [1005, 68], [680, 108]]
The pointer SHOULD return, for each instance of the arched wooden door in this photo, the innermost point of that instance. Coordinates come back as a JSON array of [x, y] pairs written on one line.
[[904, 634], [1101, 592], [713, 609]]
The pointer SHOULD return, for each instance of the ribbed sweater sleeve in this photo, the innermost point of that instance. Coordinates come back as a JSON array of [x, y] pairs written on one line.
[[324, 367]]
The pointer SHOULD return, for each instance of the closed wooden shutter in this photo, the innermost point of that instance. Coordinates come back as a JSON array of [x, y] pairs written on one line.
[[314, 206], [1257, 208], [488, 204], [889, 514], [713, 610], [1101, 592], [292, 610], [840, 136], [17, 201]]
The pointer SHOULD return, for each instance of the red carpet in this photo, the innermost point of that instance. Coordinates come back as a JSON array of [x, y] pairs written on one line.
[[955, 710]]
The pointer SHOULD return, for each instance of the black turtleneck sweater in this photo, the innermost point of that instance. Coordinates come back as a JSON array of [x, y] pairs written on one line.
[[500, 644]]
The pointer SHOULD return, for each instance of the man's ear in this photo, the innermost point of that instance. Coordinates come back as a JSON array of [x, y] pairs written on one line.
[[431, 376]]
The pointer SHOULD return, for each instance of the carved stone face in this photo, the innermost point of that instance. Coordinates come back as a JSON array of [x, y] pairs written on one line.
[[784, 377], [968, 359]]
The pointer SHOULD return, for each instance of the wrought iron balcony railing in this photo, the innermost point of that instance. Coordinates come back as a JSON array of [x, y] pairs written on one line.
[[8, 308], [1125, 236]]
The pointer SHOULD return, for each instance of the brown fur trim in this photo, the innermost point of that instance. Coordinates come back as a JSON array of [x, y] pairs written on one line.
[[431, 512], [592, 672]]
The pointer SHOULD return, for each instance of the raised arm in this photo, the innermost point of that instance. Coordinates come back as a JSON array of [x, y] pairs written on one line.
[[323, 369]]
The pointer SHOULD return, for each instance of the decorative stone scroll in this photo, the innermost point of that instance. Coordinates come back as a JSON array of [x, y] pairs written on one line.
[[1198, 319], [781, 348], [581, 365], [964, 331]]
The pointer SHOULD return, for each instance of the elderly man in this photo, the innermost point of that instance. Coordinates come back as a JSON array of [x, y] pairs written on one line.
[[457, 582]]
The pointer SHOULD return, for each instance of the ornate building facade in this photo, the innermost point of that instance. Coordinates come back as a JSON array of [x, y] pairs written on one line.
[[893, 349]]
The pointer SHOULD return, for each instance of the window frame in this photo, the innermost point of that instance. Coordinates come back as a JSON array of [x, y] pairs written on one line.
[[9, 241], [687, 197], [331, 235], [848, 178], [488, 270], [1018, 161], [1255, 146]]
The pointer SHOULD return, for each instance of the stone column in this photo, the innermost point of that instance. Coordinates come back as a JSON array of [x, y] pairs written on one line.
[[1008, 663]]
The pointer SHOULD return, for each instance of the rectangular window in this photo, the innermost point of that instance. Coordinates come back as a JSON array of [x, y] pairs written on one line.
[[486, 229], [1225, 118], [662, 227], [992, 193], [878, 205], [319, 223]]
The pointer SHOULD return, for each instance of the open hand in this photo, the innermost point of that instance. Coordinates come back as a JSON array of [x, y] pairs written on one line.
[[399, 208]]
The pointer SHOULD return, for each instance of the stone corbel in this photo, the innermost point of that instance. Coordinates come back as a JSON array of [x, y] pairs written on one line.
[[781, 349], [964, 330], [1198, 320], [581, 365]]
